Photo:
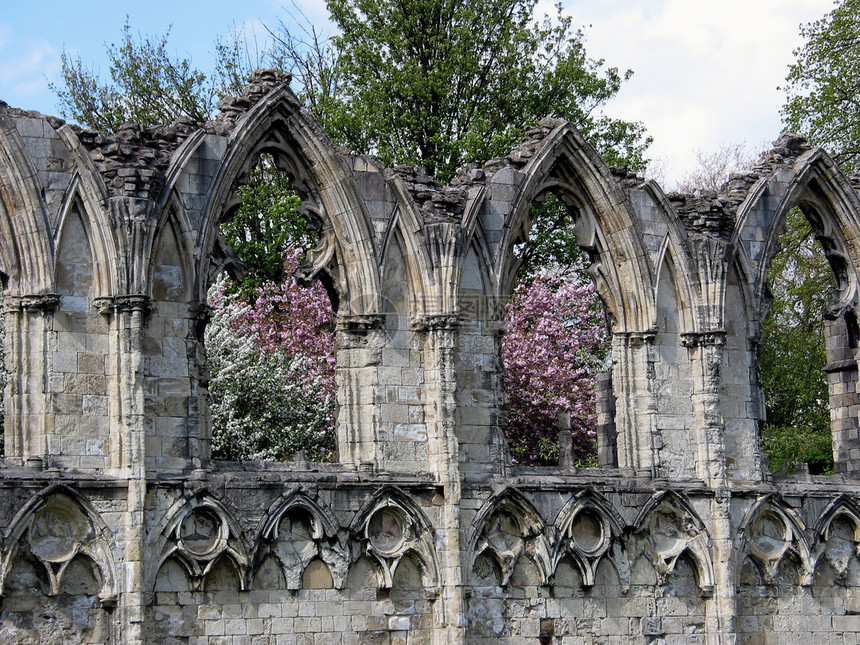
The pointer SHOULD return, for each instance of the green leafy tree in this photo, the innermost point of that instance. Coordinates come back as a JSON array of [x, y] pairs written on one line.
[[823, 84], [147, 85], [265, 227], [793, 353], [552, 247], [445, 82]]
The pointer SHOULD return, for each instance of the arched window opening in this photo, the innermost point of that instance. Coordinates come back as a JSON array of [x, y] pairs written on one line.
[[270, 341], [555, 347], [793, 360]]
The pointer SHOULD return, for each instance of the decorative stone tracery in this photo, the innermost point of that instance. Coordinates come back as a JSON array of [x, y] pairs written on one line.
[[199, 533]]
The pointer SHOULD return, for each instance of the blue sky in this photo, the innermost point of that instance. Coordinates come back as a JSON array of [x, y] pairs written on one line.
[[706, 73]]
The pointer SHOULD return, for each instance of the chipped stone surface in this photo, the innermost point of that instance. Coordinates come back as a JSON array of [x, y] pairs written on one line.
[[118, 527]]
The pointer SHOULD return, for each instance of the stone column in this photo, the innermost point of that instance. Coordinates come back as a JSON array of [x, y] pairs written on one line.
[[29, 417], [721, 609], [359, 344], [199, 416], [842, 382], [636, 406], [707, 351], [706, 356], [440, 378], [127, 318], [607, 435]]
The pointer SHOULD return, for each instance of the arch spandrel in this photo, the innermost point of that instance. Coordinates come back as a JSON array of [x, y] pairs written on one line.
[[277, 125]]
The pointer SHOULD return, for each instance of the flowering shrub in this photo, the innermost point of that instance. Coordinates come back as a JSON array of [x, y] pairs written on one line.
[[272, 388], [553, 347]]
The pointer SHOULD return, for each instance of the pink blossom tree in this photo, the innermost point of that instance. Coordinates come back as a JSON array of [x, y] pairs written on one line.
[[272, 387], [554, 346]]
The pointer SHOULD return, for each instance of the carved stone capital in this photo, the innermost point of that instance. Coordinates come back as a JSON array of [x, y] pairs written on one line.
[[436, 322], [125, 302], [714, 338], [637, 338], [360, 323], [200, 310], [36, 302]]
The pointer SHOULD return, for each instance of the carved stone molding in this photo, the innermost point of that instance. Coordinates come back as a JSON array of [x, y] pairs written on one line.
[[391, 526], [298, 531], [589, 530], [438, 322], [53, 529], [715, 338], [637, 338], [123, 303], [770, 533], [35, 302], [668, 529], [198, 533], [508, 527], [360, 323]]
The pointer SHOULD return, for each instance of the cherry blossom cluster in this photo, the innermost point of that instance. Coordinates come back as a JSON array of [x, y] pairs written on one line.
[[554, 346]]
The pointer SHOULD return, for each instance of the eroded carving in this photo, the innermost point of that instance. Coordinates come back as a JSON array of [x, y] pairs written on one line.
[[770, 533], [508, 527], [589, 530], [54, 529], [297, 532], [668, 528], [388, 528], [198, 533]]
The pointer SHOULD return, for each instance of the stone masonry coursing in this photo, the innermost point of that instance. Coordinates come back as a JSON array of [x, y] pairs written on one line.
[[118, 527]]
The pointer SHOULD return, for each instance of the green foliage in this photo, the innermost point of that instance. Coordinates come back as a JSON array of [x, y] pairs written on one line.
[[265, 227], [444, 82], [793, 353], [552, 246], [822, 91], [147, 85]]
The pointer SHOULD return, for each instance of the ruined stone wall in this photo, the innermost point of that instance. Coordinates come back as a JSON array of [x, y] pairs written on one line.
[[118, 527]]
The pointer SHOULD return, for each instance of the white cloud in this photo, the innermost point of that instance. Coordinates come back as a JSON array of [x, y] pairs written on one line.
[[706, 73], [25, 65]]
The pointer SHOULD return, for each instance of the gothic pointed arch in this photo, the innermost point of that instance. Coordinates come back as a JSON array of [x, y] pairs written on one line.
[[390, 526], [669, 528], [816, 185], [799, 177], [88, 192], [590, 529], [25, 249], [55, 527], [198, 533], [605, 224], [675, 256], [102, 250], [171, 255], [296, 531], [345, 257], [771, 532], [403, 257], [507, 527], [837, 533]]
